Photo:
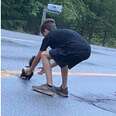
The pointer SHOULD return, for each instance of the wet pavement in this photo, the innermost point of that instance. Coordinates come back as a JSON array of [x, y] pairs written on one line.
[[88, 95]]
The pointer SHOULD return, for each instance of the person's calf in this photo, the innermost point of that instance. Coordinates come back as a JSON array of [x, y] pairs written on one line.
[[64, 73], [46, 66]]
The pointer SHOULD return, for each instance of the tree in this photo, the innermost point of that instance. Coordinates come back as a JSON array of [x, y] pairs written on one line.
[[94, 19]]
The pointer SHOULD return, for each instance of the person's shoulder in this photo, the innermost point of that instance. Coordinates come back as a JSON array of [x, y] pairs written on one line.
[[67, 30], [61, 30]]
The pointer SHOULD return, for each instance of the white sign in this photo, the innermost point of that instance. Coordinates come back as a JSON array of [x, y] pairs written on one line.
[[54, 8]]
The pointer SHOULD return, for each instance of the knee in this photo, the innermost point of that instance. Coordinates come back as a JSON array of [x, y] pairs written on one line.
[[43, 54], [65, 68]]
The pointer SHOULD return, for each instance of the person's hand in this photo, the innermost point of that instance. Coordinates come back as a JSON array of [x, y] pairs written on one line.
[[41, 70]]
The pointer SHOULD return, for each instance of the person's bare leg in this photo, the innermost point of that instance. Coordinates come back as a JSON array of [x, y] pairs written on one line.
[[64, 74], [45, 57], [52, 65]]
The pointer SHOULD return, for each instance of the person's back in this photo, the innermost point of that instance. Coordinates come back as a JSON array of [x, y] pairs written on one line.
[[68, 40]]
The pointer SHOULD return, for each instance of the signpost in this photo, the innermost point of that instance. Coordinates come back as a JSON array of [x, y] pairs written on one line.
[[52, 8]]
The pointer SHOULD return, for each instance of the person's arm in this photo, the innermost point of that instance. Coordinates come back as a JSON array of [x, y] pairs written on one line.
[[35, 61], [44, 46]]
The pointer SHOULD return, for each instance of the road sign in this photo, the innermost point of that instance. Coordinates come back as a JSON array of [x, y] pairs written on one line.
[[53, 8]]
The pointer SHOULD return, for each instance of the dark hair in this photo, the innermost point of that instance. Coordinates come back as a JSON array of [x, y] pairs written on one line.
[[48, 24]]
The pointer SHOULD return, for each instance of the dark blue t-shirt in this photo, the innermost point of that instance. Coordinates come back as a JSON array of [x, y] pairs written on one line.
[[68, 41]]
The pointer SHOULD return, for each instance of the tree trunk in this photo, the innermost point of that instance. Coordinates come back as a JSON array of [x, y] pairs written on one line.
[[104, 39]]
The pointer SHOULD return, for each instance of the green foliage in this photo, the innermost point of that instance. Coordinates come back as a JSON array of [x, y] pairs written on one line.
[[94, 19]]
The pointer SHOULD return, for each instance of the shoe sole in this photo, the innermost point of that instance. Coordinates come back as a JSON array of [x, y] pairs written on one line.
[[59, 93], [49, 93]]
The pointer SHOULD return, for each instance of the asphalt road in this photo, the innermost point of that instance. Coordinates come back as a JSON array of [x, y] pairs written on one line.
[[92, 83]]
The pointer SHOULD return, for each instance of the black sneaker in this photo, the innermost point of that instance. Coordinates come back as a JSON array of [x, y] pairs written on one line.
[[61, 91], [24, 76]]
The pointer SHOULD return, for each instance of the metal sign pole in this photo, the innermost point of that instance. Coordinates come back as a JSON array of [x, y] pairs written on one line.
[[44, 14], [52, 8]]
